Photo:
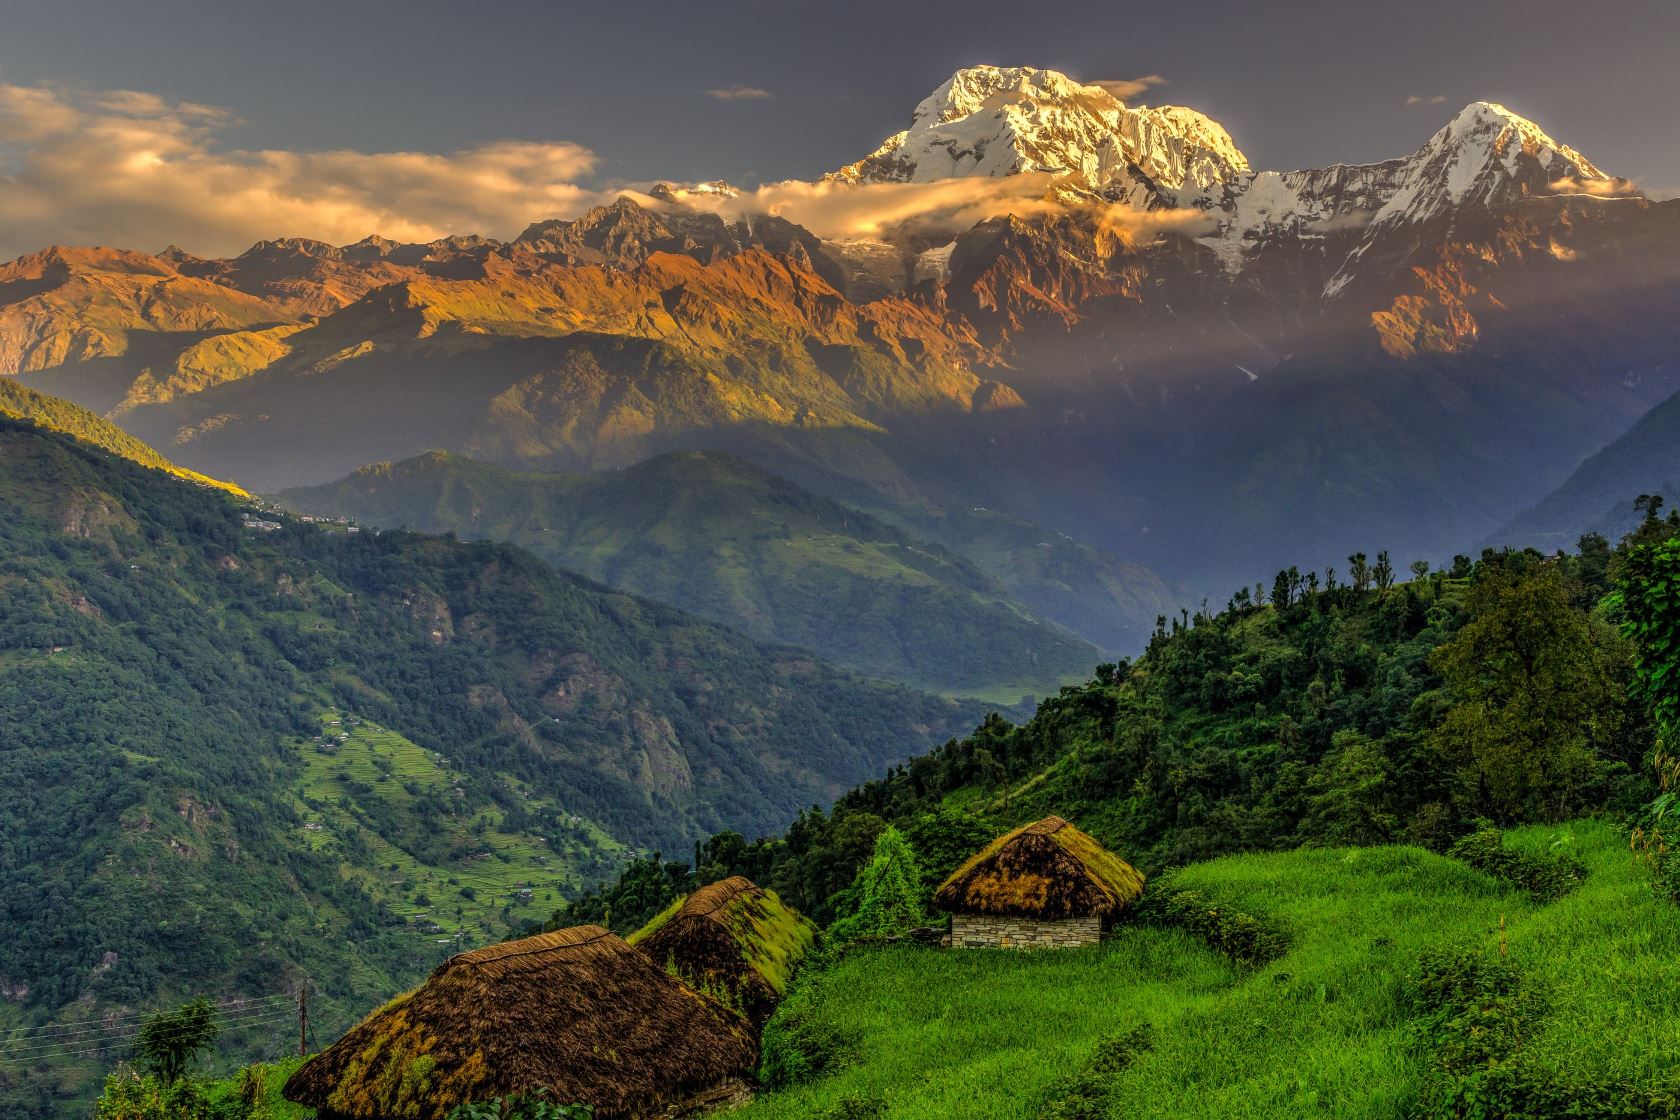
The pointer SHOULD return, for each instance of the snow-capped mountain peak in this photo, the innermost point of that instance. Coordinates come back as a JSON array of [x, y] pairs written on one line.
[[1485, 154], [995, 121]]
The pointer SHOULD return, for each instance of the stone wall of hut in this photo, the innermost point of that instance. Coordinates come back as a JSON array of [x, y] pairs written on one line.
[[983, 931]]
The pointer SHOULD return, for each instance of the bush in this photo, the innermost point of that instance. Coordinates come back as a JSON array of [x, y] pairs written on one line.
[[1474, 1012], [797, 1048], [1546, 879], [1244, 938], [528, 1106], [132, 1095], [854, 1107], [1085, 1095]]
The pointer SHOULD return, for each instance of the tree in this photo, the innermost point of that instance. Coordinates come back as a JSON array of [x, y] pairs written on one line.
[[886, 898], [1349, 795], [1383, 572], [1359, 571], [169, 1041], [1532, 694]]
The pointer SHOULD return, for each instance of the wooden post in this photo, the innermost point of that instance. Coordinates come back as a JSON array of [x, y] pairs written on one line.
[[303, 1019]]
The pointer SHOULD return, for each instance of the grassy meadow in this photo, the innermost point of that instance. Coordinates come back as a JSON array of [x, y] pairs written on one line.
[[1324, 1031]]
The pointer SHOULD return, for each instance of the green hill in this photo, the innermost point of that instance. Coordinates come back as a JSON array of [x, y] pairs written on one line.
[[19, 402], [1155, 1024], [240, 749], [714, 535]]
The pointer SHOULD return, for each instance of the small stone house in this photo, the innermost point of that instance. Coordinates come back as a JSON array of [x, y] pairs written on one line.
[[1046, 885]]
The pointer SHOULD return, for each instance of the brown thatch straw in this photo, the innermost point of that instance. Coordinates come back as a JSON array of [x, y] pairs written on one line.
[[1049, 870], [733, 940], [577, 1011]]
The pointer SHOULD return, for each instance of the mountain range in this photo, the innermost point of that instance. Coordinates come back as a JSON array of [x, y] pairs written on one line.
[[1037, 300], [716, 536]]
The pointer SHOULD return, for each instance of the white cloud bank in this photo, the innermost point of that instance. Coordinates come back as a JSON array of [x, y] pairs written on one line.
[[840, 211], [131, 169]]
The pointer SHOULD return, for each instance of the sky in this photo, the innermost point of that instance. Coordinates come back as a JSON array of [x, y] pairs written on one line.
[[202, 122]]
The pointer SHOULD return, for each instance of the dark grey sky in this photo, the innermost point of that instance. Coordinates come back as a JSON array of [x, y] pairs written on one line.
[[1297, 82]]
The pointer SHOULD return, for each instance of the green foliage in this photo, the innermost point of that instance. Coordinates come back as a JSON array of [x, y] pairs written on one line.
[[527, 1106], [887, 899], [170, 1041], [1545, 878], [164, 674], [1648, 595], [856, 1108], [643, 889], [131, 1095], [1086, 1095], [1248, 940], [1328, 1030], [1535, 684], [1345, 717], [797, 1047]]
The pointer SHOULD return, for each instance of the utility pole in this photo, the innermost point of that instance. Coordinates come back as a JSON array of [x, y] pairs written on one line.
[[303, 1019]]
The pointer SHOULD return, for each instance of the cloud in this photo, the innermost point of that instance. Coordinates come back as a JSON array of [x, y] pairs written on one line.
[[739, 93], [132, 169], [1415, 99], [1124, 89], [1610, 187], [842, 211]]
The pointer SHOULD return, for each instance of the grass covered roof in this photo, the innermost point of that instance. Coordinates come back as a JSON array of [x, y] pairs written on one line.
[[1048, 869], [733, 940], [577, 1011]]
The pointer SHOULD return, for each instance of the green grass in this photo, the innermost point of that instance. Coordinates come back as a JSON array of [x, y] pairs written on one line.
[[1321, 1032], [350, 792]]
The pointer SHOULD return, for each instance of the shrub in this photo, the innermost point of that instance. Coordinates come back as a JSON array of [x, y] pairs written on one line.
[[132, 1095], [797, 1048], [1546, 879], [853, 1107], [1085, 1095], [1244, 938], [527, 1106]]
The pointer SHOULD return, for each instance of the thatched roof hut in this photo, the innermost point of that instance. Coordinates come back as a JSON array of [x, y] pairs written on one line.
[[578, 1012], [1048, 871], [732, 940]]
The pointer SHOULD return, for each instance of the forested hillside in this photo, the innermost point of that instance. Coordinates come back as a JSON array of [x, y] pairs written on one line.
[[241, 749], [713, 534], [1337, 708]]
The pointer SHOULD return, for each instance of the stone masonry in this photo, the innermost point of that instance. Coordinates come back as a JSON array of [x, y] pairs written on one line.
[[982, 931]]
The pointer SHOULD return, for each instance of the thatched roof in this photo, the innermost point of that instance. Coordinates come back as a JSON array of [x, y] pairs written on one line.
[[577, 1011], [1049, 869], [732, 940]]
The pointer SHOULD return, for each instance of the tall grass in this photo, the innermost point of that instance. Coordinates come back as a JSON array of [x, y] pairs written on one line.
[[1324, 1031]]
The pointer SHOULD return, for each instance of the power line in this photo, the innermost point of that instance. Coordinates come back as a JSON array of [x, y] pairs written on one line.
[[130, 1033], [230, 1004], [77, 1050]]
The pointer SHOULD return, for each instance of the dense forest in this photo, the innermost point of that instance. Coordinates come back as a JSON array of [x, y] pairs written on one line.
[[179, 676], [1322, 708]]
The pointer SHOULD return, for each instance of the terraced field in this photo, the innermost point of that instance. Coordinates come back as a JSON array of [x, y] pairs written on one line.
[[412, 834]]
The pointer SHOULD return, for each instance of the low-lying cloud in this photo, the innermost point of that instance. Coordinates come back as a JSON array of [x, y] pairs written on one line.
[[1125, 89], [1610, 187], [841, 211], [129, 168]]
